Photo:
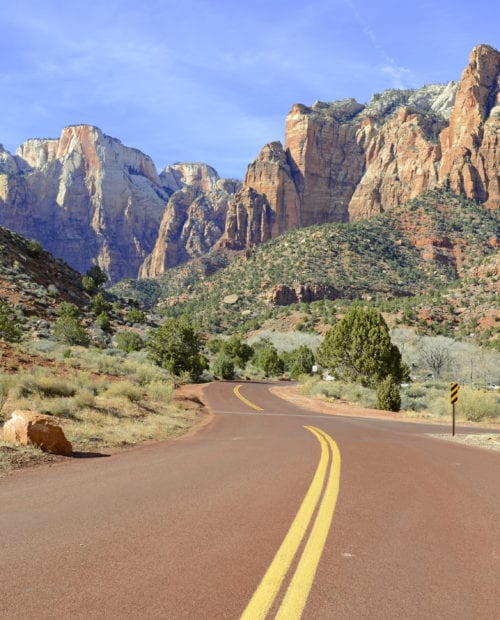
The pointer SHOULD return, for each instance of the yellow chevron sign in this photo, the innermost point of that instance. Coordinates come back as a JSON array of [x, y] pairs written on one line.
[[453, 392]]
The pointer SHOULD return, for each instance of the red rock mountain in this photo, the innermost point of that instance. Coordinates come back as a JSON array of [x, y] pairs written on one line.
[[89, 199], [344, 161]]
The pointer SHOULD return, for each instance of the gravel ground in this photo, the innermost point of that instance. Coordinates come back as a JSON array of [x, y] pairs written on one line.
[[484, 440]]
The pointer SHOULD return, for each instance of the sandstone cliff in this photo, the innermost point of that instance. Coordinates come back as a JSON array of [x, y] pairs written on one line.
[[192, 224], [86, 198], [345, 161]]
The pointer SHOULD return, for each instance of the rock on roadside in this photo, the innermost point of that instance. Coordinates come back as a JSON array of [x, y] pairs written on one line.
[[41, 431]]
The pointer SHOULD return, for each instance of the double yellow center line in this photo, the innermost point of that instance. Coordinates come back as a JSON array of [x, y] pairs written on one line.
[[320, 500]]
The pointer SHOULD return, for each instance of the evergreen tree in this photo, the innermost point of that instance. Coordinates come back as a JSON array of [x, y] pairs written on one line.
[[359, 348], [176, 346]]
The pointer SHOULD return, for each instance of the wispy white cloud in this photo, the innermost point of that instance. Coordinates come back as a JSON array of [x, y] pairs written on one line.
[[401, 77]]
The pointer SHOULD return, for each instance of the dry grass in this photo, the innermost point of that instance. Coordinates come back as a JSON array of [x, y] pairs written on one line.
[[114, 426], [428, 400], [131, 404]]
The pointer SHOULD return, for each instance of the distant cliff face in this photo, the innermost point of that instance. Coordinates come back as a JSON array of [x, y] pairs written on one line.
[[192, 224], [344, 161], [86, 198]]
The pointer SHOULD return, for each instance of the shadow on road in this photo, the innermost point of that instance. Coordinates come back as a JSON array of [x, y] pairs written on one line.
[[89, 455]]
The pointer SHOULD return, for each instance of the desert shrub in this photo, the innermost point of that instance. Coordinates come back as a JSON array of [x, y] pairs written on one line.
[[356, 393], [388, 396], [100, 305], [134, 315], [129, 341], [109, 365], [60, 407], [85, 398], [476, 405], [415, 391], [328, 390], [88, 284], [54, 387], [66, 309], [25, 385], [10, 327], [143, 373], [69, 330], [124, 389], [352, 392], [223, 366], [440, 406], [33, 248], [6, 383], [409, 403], [103, 321], [161, 390]]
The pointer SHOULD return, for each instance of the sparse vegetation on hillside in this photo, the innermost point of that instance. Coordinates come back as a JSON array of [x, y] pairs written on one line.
[[421, 260]]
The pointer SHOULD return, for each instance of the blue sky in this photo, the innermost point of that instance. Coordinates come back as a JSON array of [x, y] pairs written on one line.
[[212, 81]]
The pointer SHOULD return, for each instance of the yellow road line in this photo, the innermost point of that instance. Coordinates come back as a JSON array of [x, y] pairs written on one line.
[[298, 591], [269, 587], [244, 400]]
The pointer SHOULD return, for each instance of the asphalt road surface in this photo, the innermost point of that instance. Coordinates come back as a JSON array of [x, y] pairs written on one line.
[[267, 511]]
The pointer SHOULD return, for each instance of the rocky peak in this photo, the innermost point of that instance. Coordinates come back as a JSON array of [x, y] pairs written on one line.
[[36, 153], [8, 164], [435, 99], [249, 220], [470, 145], [177, 176], [344, 161]]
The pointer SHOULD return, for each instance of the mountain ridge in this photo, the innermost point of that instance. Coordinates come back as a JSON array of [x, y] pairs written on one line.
[[91, 200]]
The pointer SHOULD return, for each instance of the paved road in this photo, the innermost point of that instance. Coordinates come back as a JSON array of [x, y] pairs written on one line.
[[190, 528]]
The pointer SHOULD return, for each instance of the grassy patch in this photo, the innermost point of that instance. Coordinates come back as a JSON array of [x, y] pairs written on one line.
[[130, 403]]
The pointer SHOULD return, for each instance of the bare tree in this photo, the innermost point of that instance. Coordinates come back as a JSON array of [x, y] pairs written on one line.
[[435, 354]]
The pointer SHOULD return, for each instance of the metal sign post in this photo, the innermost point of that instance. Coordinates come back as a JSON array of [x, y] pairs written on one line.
[[454, 399]]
